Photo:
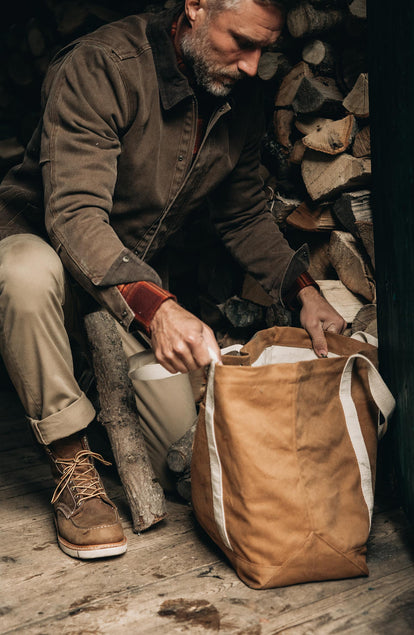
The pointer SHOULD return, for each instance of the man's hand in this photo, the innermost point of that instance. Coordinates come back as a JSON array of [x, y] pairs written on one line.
[[181, 342], [317, 316]]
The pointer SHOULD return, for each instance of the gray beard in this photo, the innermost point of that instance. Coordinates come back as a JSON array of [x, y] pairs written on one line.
[[209, 75]]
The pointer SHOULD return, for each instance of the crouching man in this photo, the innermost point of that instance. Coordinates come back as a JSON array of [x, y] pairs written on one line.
[[143, 122]]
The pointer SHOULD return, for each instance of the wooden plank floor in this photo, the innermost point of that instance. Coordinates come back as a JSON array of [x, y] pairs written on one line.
[[172, 578]]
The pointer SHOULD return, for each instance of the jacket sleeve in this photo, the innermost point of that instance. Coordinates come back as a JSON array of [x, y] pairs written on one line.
[[85, 114], [246, 226]]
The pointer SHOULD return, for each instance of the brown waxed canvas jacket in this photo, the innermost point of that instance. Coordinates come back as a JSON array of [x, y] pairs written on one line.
[[109, 176]]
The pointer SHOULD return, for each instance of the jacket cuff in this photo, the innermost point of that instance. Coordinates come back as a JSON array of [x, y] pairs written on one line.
[[298, 264], [304, 280], [144, 298], [127, 267]]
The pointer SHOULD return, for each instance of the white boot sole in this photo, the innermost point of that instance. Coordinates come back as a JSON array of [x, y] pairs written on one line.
[[91, 552]]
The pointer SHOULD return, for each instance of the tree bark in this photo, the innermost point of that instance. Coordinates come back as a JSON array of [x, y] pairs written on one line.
[[119, 415], [306, 20], [180, 453]]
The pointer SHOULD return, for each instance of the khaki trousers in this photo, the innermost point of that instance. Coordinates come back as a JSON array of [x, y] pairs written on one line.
[[37, 305]]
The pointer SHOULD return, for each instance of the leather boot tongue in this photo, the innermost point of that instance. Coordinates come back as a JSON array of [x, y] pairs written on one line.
[[68, 447]]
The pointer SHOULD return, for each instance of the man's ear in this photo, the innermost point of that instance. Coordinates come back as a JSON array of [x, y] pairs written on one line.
[[193, 9]]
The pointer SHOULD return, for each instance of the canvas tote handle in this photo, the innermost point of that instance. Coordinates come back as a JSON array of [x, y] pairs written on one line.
[[386, 404]]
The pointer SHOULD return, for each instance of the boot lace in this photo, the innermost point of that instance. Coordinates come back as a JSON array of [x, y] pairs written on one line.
[[81, 472]]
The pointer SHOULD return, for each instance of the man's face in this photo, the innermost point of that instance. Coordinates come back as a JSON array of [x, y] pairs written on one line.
[[226, 47]]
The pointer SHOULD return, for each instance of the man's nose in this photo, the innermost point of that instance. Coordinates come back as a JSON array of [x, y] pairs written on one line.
[[249, 62]]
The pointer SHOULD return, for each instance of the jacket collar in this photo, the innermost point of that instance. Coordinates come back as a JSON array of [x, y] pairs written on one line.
[[173, 85]]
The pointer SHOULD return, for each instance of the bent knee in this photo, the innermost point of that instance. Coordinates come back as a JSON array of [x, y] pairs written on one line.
[[29, 268]]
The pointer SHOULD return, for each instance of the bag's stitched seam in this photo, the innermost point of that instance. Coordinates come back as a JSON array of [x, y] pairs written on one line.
[[341, 553], [277, 569], [271, 566]]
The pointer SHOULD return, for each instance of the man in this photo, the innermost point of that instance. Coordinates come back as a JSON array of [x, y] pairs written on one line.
[[143, 121]]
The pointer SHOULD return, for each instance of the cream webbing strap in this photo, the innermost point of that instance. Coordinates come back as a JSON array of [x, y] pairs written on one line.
[[386, 404], [215, 463]]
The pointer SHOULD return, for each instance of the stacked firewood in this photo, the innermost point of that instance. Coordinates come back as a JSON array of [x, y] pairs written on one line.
[[317, 150]]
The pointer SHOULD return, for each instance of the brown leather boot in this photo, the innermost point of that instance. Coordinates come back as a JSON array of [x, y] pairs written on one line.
[[87, 522]]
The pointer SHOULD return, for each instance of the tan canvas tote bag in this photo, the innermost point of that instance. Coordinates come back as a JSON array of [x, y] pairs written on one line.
[[284, 457]]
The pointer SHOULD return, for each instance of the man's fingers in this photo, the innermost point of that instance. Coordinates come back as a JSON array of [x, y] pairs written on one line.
[[171, 362], [184, 356], [319, 341], [181, 341], [206, 350], [337, 326]]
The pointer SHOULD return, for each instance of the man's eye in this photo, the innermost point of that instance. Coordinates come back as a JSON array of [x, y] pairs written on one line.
[[244, 44]]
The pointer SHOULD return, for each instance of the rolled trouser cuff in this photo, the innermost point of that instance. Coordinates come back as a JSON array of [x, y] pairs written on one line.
[[62, 424]]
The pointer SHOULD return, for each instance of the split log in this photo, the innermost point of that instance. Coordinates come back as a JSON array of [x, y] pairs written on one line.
[[353, 210], [362, 143], [184, 487], [305, 19], [350, 265], [365, 320], [342, 299], [289, 86], [352, 206], [180, 453], [318, 96], [119, 415], [283, 123], [273, 64], [365, 230], [334, 137], [325, 176], [297, 153], [357, 101], [320, 267], [275, 157], [372, 328], [281, 206], [320, 57], [306, 124], [313, 220]]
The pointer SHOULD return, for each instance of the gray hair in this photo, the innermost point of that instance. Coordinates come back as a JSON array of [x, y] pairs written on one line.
[[216, 6]]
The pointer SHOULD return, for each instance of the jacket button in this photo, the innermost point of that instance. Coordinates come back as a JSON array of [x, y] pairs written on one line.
[[180, 158], [124, 313], [125, 259]]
